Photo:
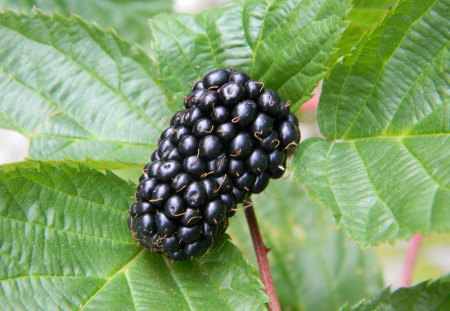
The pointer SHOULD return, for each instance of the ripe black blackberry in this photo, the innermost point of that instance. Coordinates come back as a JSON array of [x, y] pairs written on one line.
[[231, 138]]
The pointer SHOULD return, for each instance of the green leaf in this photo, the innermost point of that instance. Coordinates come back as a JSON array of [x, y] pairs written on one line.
[[125, 170], [421, 297], [77, 91], [314, 266], [363, 18], [65, 245], [384, 170], [95, 164], [128, 17], [283, 43]]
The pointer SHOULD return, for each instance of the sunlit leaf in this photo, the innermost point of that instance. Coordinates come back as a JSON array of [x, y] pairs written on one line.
[[64, 244], [384, 169]]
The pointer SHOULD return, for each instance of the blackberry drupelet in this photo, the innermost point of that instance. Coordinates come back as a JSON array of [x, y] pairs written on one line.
[[232, 137]]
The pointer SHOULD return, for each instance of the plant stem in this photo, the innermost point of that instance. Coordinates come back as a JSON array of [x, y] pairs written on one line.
[[411, 255], [261, 256]]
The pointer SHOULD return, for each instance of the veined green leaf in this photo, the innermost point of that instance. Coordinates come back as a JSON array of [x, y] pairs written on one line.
[[64, 244], [77, 91], [283, 43], [363, 18], [385, 168], [421, 297], [125, 170], [313, 265], [128, 17], [94, 164]]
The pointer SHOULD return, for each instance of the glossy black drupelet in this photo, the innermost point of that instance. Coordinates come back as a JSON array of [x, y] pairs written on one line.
[[231, 138]]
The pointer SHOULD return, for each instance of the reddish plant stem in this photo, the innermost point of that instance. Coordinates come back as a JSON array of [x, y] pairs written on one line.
[[261, 256], [411, 255]]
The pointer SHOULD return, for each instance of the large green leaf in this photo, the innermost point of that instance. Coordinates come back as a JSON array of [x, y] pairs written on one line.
[[385, 168], [314, 266], [363, 18], [128, 17], [76, 90], [64, 244], [284, 43], [421, 297]]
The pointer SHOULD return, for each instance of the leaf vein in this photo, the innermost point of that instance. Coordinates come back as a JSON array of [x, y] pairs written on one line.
[[171, 273]]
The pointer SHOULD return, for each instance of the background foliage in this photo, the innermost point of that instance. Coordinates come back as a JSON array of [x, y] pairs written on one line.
[[77, 91], [128, 17]]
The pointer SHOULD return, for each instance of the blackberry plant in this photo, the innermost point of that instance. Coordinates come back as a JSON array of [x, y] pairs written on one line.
[[94, 106], [231, 138]]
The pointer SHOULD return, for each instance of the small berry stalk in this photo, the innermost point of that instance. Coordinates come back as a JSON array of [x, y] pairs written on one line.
[[231, 138]]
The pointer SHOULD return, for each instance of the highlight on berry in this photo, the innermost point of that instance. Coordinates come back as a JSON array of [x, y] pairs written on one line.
[[231, 138]]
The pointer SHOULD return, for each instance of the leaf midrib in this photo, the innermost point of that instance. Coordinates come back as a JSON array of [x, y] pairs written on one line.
[[73, 196], [172, 275], [44, 276], [118, 142], [95, 237], [108, 279]]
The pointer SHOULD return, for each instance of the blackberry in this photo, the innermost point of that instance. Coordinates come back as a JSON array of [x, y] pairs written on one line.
[[203, 127], [218, 166], [188, 145], [220, 114], [241, 145], [224, 184], [262, 126], [195, 194], [191, 217], [160, 194], [194, 165], [245, 181], [236, 168], [231, 138], [244, 113], [226, 131], [189, 234], [178, 133], [239, 77], [215, 79], [210, 147], [231, 93], [210, 187], [174, 207], [167, 170], [145, 189], [271, 142]]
